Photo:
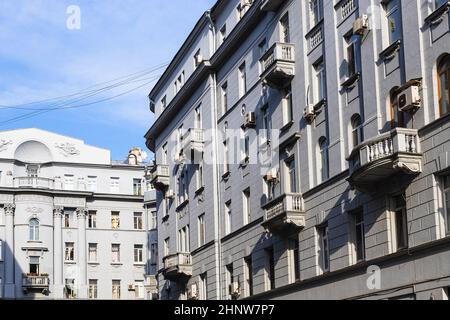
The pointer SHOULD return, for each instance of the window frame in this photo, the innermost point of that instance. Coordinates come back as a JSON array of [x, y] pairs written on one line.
[[444, 70]]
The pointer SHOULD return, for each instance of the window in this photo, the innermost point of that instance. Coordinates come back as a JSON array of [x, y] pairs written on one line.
[[93, 289], [222, 34], [183, 187], [201, 230], [224, 97], [154, 220], [270, 269], [137, 220], [164, 102], [138, 253], [1, 250], [198, 58], [294, 260], [69, 255], [447, 202], [324, 253], [397, 116], [320, 81], [70, 290], [245, 146], [359, 235], [164, 154], [198, 117], [69, 182], [228, 218], [394, 20], [116, 289], [92, 252], [284, 29], [229, 277], [92, 183], [166, 203], [67, 218], [92, 219], [316, 11], [34, 265], [153, 253], [242, 80], [115, 253], [262, 47], [247, 206], [400, 221], [183, 239], [267, 126], [139, 290], [115, 220], [248, 264], [204, 286], [287, 106], [357, 131], [34, 229], [137, 187], [226, 160], [114, 184], [166, 247], [352, 45], [444, 92], [291, 186], [323, 159], [200, 182]]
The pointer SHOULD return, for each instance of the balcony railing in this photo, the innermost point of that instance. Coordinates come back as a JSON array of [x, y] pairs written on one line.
[[284, 212], [393, 152], [34, 182], [193, 139], [178, 266], [278, 65], [149, 195], [271, 5], [160, 176], [35, 281]]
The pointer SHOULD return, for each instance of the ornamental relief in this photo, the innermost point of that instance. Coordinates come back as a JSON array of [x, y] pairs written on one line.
[[70, 202], [4, 145], [33, 198], [34, 210], [67, 149]]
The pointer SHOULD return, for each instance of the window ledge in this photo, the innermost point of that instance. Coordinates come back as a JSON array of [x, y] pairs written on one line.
[[70, 262], [165, 218], [390, 52], [139, 264], [93, 263], [116, 264], [200, 191], [287, 126], [437, 16], [226, 176], [350, 83], [35, 241]]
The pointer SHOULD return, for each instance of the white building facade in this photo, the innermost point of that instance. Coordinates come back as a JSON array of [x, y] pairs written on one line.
[[349, 102], [73, 224]]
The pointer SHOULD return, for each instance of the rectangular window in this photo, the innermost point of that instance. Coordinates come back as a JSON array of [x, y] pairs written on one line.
[[320, 83], [164, 102], [153, 253], [68, 214], [183, 239], [69, 253], [164, 154], [267, 126], [199, 181], [93, 289], [115, 253], [324, 252], [92, 183], [34, 265], [316, 11], [229, 278], [166, 247], [198, 59], [242, 80], [351, 57], [116, 289], [446, 200], [228, 218], [69, 182], [114, 185], [137, 221], [201, 230], [92, 219], [287, 106], [248, 276], [400, 222], [394, 20], [1, 250], [224, 97], [138, 253], [154, 220], [92, 252], [222, 34], [294, 260], [359, 235], [291, 176], [247, 206], [137, 187], [270, 269], [115, 220], [139, 289], [226, 155], [198, 117], [284, 29], [204, 286]]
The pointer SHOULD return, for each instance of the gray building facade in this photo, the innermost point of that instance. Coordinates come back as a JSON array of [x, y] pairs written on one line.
[[302, 152]]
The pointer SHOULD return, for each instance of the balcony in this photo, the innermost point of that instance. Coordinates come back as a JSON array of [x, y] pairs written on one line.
[[193, 140], [150, 196], [178, 267], [34, 183], [284, 214], [278, 65], [152, 284], [35, 281], [392, 153], [160, 177], [271, 5]]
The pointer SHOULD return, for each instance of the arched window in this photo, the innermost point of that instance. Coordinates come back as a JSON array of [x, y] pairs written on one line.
[[357, 132], [323, 159], [443, 85], [397, 117], [34, 229]]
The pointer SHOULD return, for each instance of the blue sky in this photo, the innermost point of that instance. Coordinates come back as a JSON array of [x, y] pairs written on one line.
[[41, 59]]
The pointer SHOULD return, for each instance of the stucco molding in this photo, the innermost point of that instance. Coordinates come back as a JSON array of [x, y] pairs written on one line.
[[4, 144], [67, 149]]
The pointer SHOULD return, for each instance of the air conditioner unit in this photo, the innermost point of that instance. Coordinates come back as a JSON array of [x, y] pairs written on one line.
[[409, 99], [271, 176], [170, 194], [193, 294], [234, 289], [361, 25], [131, 287], [309, 113], [250, 119]]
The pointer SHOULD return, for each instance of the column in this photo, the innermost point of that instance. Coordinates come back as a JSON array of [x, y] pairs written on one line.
[[9, 260], [82, 258], [58, 259]]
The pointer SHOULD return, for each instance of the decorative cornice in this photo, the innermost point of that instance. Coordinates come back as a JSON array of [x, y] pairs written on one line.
[[9, 209], [58, 211], [81, 212]]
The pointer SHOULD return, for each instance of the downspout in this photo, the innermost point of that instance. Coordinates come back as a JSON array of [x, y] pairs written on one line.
[[217, 195]]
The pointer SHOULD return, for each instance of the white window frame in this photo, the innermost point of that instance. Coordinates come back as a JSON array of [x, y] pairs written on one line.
[[138, 251], [93, 246], [115, 253]]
